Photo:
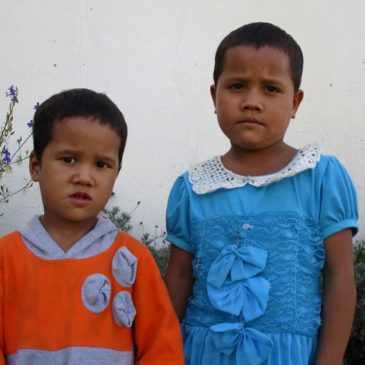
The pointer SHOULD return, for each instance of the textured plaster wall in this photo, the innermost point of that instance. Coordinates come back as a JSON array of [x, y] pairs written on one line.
[[155, 60]]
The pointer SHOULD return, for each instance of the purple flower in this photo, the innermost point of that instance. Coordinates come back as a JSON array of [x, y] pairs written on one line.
[[13, 90], [13, 93], [6, 155], [36, 106], [30, 124]]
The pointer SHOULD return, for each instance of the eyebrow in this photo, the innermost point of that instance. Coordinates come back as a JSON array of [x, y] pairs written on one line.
[[274, 81], [100, 156], [108, 159]]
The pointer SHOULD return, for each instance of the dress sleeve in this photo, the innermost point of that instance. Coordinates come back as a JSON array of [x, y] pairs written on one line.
[[157, 333], [339, 207], [177, 216], [2, 342]]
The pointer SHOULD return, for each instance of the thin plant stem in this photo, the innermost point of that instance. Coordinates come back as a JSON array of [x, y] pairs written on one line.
[[4, 198]]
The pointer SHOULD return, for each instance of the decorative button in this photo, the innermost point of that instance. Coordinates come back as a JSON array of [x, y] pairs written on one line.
[[247, 226], [124, 267], [95, 292], [123, 309]]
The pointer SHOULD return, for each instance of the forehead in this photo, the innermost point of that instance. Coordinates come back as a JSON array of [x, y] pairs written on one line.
[[84, 132], [266, 60]]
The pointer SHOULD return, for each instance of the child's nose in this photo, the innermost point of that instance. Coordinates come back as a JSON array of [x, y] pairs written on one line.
[[252, 100], [83, 176]]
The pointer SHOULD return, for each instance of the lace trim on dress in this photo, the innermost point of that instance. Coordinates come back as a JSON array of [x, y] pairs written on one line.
[[211, 175]]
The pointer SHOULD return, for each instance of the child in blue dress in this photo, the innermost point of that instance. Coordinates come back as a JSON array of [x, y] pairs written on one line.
[[261, 268]]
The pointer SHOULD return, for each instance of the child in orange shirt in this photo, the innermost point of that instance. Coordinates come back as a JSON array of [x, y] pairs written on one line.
[[73, 289]]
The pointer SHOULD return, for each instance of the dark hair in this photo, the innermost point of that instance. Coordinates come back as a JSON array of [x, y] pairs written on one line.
[[259, 35], [76, 103]]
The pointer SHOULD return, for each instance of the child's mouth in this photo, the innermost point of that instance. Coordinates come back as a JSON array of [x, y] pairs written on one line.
[[80, 199], [249, 121]]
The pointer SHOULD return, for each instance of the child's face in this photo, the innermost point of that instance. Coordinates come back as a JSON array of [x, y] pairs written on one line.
[[77, 172], [254, 97]]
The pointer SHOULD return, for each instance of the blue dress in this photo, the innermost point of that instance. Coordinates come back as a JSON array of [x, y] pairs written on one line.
[[258, 254]]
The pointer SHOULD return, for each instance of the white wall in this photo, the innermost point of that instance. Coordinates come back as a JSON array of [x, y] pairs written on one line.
[[155, 60]]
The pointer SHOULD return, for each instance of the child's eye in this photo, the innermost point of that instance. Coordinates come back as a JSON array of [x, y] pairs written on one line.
[[69, 160], [102, 165], [272, 89], [236, 86]]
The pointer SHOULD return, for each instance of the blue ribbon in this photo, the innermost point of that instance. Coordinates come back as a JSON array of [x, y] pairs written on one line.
[[236, 264], [249, 297], [251, 347]]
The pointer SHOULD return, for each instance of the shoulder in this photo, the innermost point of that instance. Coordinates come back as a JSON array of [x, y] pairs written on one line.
[[180, 189], [326, 160], [137, 248], [183, 180], [10, 241], [12, 249], [330, 165], [8, 237], [315, 164]]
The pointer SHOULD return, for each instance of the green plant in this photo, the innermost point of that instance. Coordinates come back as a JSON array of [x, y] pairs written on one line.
[[120, 219], [355, 354], [7, 158], [154, 241], [157, 245]]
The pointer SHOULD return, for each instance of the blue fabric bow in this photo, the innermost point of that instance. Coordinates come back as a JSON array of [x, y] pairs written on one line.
[[251, 346], [249, 297], [236, 264]]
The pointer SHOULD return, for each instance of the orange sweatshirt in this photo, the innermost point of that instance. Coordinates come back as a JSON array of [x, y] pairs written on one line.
[[110, 308]]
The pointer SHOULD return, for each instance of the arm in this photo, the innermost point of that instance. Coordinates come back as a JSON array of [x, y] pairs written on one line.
[[179, 279], [339, 298], [157, 334]]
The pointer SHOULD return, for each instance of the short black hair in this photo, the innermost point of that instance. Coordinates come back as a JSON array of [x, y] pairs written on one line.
[[76, 103], [258, 35]]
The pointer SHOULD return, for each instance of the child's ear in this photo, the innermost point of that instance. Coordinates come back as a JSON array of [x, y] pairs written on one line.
[[298, 97], [213, 93], [34, 167]]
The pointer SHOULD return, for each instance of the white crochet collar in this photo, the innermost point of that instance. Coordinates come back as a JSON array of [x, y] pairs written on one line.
[[211, 175]]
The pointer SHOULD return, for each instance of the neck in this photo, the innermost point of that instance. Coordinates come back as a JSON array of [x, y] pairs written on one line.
[[66, 234], [258, 162]]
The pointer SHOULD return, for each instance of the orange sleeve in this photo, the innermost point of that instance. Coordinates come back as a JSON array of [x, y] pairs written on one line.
[[2, 345], [157, 333]]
